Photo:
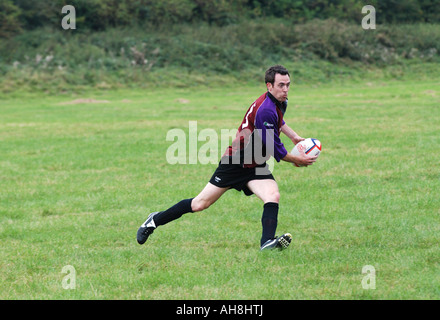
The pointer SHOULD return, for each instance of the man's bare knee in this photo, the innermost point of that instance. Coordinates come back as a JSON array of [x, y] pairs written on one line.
[[272, 197], [207, 197], [199, 205], [276, 196]]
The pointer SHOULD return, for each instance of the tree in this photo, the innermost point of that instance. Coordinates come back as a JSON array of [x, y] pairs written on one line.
[[9, 19]]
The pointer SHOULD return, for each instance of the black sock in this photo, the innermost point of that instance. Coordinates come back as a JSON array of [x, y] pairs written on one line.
[[173, 213], [269, 221]]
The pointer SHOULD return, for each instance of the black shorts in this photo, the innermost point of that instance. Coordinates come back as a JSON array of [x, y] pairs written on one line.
[[228, 175]]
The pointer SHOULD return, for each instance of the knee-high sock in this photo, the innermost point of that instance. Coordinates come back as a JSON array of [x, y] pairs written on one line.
[[173, 213], [269, 221]]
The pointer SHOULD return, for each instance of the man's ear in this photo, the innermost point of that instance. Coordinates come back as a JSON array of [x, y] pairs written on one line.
[[269, 86]]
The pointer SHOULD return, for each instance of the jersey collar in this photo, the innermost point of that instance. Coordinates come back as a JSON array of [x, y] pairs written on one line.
[[281, 105]]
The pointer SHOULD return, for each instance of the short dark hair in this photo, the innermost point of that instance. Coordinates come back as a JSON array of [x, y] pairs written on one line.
[[272, 71]]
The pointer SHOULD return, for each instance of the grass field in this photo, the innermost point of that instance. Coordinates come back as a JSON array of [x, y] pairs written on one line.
[[77, 180]]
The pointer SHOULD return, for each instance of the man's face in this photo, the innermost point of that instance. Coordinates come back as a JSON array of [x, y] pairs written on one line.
[[280, 87]]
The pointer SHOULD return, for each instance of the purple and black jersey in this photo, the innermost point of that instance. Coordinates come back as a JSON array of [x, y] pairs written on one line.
[[258, 136]]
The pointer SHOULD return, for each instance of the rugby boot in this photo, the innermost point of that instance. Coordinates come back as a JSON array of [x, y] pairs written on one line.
[[281, 242], [146, 229]]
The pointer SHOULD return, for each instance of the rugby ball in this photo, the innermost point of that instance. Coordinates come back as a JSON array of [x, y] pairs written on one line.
[[309, 146]]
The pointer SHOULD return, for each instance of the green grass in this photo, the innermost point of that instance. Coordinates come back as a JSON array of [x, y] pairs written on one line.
[[77, 180]]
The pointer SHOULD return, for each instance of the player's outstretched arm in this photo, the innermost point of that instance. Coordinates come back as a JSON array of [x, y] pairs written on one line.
[[288, 131]]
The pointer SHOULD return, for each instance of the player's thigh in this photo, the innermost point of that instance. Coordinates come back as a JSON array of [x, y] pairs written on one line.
[[265, 189], [207, 196]]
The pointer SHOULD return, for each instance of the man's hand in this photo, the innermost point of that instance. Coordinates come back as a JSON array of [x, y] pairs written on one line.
[[297, 139], [301, 160]]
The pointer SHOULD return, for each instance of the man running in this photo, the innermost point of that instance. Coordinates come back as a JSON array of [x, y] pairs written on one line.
[[243, 165]]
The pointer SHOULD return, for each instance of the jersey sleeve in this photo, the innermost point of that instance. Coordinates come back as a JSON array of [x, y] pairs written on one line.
[[266, 123]]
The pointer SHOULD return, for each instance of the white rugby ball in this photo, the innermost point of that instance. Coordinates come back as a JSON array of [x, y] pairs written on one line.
[[309, 146]]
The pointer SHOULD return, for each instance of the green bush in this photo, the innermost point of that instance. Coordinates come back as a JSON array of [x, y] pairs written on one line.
[[126, 55], [98, 15]]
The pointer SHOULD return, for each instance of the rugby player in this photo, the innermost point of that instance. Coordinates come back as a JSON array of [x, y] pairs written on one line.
[[243, 168]]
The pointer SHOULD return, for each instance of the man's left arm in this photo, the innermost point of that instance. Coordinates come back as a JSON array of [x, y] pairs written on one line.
[[288, 131]]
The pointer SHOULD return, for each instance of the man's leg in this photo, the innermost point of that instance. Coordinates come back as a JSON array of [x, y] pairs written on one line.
[[207, 197], [204, 199], [267, 191]]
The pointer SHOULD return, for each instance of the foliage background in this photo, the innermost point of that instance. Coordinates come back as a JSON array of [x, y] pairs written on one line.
[[136, 42], [102, 14]]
